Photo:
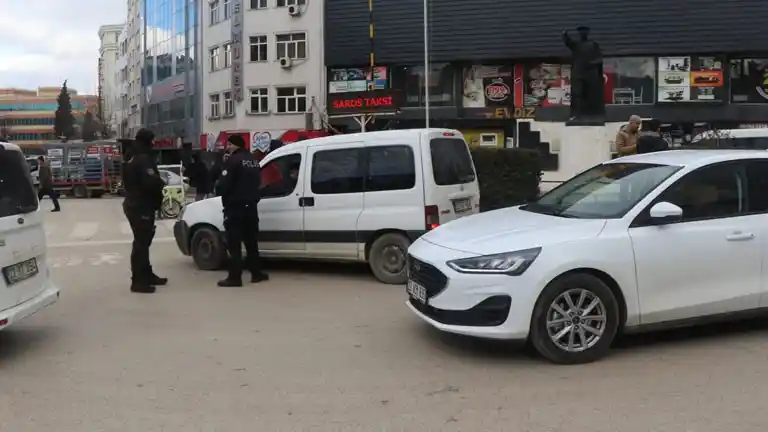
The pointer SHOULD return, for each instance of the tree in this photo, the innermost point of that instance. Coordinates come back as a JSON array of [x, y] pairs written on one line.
[[90, 127], [64, 121]]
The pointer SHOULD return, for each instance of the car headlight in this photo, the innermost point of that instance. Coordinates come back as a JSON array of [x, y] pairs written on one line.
[[510, 263]]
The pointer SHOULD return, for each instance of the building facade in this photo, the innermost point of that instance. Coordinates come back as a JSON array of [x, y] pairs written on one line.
[[170, 71], [502, 75], [27, 116], [109, 57], [264, 73], [131, 61]]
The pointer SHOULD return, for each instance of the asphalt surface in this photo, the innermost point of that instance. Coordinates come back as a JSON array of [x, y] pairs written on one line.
[[324, 347]]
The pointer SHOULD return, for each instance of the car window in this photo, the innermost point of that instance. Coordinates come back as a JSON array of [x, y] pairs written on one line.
[[757, 186], [337, 172], [451, 161], [17, 195], [390, 168], [712, 192], [280, 176]]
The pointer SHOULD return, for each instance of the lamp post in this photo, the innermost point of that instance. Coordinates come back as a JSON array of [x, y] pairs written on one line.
[[426, 63]]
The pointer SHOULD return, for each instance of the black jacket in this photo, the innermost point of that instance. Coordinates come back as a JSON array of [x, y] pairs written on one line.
[[651, 144], [143, 184], [239, 182], [199, 177]]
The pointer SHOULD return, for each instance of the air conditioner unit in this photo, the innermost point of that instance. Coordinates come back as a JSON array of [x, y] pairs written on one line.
[[286, 62], [293, 10]]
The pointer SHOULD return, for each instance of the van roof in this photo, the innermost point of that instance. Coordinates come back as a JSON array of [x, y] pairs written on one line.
[[361, 136], [10, 146]]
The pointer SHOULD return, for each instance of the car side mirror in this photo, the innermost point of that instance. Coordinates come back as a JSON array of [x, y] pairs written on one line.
[[665, 212]]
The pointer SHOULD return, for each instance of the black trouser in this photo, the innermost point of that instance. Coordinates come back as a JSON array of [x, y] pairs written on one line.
[[242, 227], [43, 191], [143, 227]]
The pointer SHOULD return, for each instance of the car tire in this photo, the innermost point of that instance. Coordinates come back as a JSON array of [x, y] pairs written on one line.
[[387, 258], [207, 249], [80, 191], [551, 331]]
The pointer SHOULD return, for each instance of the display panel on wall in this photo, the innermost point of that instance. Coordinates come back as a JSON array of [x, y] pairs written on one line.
[[488, 87], [749, 81], [358, 79], [367, 102], [629, 80], [411, 80], [547, 84], [690, 79]]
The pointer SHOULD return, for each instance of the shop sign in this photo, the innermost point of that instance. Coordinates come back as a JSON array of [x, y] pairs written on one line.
[[369, 102], [237, 50], [690, 79]]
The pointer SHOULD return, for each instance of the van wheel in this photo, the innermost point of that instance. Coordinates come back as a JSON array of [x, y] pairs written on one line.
[[80, 191], [575, 320], [207, 249], [387, 258]]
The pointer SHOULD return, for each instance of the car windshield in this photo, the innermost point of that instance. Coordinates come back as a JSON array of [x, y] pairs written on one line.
[[606, 191], [17, 195]]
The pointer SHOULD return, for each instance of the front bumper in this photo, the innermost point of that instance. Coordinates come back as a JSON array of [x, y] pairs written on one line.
[[181, 234], [17, 313], [486, 306]]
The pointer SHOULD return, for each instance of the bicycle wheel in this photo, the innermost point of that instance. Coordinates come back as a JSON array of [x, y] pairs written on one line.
[[170, 208]]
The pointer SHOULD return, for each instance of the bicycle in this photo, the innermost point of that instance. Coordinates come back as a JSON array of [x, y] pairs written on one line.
[[174, 201]]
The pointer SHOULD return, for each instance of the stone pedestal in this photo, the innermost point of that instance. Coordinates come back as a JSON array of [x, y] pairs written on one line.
[[582, 147]]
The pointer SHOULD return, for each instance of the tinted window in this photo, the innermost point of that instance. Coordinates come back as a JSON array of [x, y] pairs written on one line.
[[390, 168], [711, 192], [280, 176], [17, 195], [337, 172], [757, 186], [451, 161]]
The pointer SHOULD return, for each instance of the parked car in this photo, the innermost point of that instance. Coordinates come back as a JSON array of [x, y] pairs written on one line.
[[359, 197], [634, 244], [25, 285]]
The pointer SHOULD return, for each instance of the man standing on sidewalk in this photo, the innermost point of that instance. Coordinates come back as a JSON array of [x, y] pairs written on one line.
[[46, 183], [626, 138]]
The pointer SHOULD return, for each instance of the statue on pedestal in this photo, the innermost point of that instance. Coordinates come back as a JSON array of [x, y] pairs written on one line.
[[587, 82]]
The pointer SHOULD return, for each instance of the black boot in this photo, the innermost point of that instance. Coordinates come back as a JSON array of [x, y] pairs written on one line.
[[230, 283], [257, 277], [158, 281], [142, 288]]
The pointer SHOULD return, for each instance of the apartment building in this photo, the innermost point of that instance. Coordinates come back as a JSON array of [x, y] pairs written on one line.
[[264, 71], [109, 55]]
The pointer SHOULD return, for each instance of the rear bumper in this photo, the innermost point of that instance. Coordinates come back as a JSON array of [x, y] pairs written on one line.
[[17, 313], [181, 234]]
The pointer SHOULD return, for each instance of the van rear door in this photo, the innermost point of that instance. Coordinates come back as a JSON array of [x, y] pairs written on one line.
[[22, 237], [451, 188]]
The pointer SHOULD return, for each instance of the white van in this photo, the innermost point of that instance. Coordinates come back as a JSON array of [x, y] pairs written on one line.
[[358, 197], [25, 285]]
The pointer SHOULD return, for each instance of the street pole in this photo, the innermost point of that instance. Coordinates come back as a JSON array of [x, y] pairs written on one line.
[[426, 64]]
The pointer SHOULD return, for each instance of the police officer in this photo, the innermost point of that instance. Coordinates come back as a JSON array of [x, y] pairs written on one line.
[[238, 187], [143, 196]]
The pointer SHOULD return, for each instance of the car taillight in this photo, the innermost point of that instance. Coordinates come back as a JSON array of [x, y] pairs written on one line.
[[448, 134], [431, 217]]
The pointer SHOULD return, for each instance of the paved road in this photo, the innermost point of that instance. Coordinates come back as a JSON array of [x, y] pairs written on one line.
[[326, 348]]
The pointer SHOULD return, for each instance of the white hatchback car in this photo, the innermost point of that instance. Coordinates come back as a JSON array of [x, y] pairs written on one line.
[[637, 243]]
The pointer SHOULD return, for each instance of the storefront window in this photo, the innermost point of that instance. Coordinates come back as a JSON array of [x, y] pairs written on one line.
[[547, 84], [749, 81], [629, 80], [690, 79], [410, 79]]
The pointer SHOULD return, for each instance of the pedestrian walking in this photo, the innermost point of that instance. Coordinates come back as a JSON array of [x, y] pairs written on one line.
[[626, 138], [144, 196], [45, 178], [239, 188]]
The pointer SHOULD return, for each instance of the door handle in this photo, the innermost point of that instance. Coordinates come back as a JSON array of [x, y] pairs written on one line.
[[307, 202], [740, 236]]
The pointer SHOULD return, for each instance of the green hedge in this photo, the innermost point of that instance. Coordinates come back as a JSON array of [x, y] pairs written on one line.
[[507, 177]]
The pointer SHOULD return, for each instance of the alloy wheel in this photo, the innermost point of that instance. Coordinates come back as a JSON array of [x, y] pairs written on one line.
[[576, 320]]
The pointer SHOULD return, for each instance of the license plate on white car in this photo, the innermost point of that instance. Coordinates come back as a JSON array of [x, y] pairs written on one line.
[[20, 272], [462, 205], [416, 291]]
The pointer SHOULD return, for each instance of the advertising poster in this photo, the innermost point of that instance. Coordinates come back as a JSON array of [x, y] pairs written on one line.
[[548, 85], [690, 79], [488, 87], [357, 79]]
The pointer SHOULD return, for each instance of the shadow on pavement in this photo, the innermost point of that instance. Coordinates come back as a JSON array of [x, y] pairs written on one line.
[[18, 341], [693, 335]]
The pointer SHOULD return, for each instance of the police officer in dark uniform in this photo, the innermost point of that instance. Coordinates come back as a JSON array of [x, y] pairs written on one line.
[[238, 187], [143, 196]]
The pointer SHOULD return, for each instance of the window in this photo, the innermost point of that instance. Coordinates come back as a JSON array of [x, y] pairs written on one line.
[[215, 58], [258, 4], [285, 3], [336, 172], [710, 192], [293, 45], [451, 161], [17, 195], [749, 81], [411, 79], [258, 48], [280, 176], [214, 12], [227, 9], [629, 80], [227, 55], [607, 191], [489, 140], [259, 100], [214, 102], [390, 168], [229, 104], [547, 84], [292, 100], [757, 184]]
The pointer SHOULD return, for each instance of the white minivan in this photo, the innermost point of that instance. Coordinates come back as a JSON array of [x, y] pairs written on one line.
[[25, 285], [359, 197]]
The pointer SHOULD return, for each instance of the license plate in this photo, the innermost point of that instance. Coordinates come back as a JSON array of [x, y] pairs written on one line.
[[20, 272], [462, 205], [416, 291]]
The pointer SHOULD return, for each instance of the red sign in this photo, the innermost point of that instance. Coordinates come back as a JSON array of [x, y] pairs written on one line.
[[374, 101]]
